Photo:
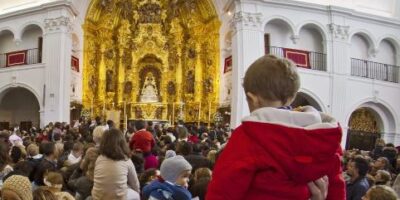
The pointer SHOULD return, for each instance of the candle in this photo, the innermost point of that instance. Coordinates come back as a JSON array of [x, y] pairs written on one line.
[[125, 118], [173, 114], [209, 114], [91, 108], [199, 117]]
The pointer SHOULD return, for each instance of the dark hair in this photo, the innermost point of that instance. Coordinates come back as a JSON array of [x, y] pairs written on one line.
[[110, 123], [4, 157], [68, 146], [145, 176], [138, 161], [140, 124], [47, 148], [113, 145], [362, 165], [16, 154], [184, 148]]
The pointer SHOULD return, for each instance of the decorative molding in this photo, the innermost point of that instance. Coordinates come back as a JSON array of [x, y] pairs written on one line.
[[58, 24], [339, 31], [245, 20], [295, 38], [373, 52]]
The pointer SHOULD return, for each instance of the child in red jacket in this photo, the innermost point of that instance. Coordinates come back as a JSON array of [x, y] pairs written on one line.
[[276, 152]]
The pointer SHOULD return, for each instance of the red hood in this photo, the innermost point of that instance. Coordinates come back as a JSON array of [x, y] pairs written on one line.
[[299, 149]]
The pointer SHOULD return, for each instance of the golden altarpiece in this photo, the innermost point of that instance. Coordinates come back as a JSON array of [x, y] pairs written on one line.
[[148, 58]]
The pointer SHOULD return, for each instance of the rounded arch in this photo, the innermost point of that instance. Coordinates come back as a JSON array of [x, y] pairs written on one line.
[[7, 29], [286, 20], [392, 40], [4, 89], [20, 107], [27, 25], [313, 99], [313, 24], [366, 35], [384, 110]]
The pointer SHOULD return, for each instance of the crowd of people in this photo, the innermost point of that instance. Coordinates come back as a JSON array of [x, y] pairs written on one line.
[[276, 153], [95, 160]]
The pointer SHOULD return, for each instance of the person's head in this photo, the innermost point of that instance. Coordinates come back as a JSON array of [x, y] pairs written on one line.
[[98, 134], [182, 132], [43, 194], [110, 124], [4, 157], [148, 176], [78, 148], [176, 170], [48, 149], [88, 162], [32, 150], [202, 173], [17, 187], [184, 148], [17, 153], [358, 167], [114, 146], [23, 168], [380, 192], [382, 177], [53, 180], [140, 124], [211, 156], [381, 163], [264, 80]]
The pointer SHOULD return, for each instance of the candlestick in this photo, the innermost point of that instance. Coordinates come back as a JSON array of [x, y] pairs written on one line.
[[199, 117]]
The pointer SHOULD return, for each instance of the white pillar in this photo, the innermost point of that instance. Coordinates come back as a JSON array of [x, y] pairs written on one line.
[[247, 46], [57, 57], [340, 66]]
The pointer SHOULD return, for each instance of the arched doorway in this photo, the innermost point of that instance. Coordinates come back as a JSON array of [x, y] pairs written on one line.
[[365, 126], [181, 37], [303, 99], [19, 107]]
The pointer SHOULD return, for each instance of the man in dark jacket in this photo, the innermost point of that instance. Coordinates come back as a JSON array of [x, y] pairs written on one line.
[[358, 185]]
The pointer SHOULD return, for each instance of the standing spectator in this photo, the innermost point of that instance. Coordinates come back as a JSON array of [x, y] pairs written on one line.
[[48, 163], [381, 192], [17, 187], [142, 140], [114, 174], [358, 185], [15, 138]]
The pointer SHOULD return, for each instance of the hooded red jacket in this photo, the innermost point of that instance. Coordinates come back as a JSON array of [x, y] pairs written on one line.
[[275, 153]]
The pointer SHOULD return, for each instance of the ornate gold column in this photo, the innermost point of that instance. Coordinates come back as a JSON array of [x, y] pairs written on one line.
[[121, 77], [198, 74], [179, 76], [101, 90]]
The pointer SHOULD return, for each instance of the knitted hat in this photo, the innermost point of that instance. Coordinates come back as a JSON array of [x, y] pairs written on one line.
[[20, 185], [170, 153], [172, 167]]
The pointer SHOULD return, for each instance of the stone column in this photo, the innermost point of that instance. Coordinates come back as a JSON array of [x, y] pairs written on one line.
[[247, 46], [339, 66], [57, 49]]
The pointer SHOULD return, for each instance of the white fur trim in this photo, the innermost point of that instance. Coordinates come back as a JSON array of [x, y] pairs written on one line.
[[309, 118]]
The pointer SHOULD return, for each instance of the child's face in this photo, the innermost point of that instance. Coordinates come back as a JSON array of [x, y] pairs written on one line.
[[183, 179]]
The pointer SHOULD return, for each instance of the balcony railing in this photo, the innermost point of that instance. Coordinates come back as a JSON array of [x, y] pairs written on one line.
[[374, 70], [33, 56], [317, 61]]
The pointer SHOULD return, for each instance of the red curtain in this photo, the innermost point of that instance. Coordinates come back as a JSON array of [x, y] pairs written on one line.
[[16, 58], [301, 58], [75, 63], [228, 64]]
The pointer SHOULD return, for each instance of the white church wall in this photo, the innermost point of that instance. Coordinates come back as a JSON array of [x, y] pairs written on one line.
[[386, 53], [359, 47], [7, 42], [310, 40]]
